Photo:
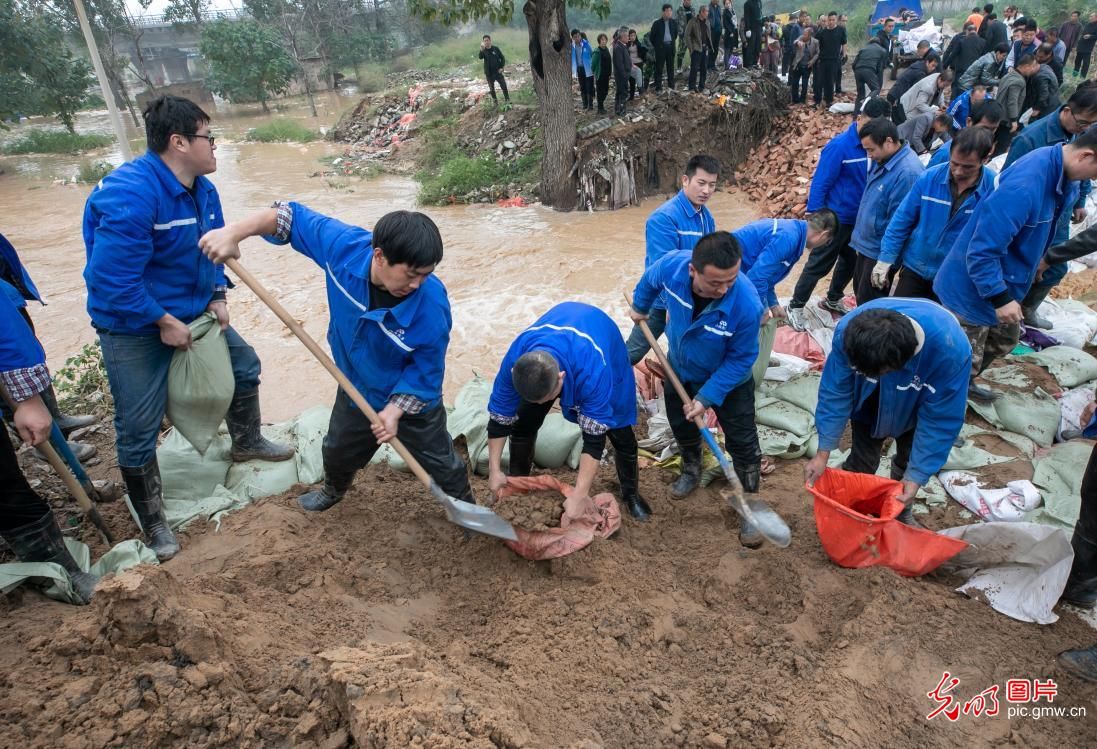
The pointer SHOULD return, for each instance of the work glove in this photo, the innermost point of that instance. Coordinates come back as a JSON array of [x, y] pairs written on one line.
[[880, 274], [748, 34]]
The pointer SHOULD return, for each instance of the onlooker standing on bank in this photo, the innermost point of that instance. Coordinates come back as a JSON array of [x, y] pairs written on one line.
[[664, 38], [493, 68]]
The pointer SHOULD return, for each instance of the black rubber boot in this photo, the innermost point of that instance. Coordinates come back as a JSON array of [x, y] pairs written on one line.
[[1082, 662], [248, 442], [147, 498], [1081, 589], [65, 422], [82, 451], [750, 477], [981, 394], [321, 499], [41, 541], [691, 471], [628, 473], [1032, 302], [521, 454]]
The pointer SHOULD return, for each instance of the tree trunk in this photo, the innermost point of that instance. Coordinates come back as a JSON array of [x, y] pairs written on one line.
[[266, 109], [308, 90], [549, 40]]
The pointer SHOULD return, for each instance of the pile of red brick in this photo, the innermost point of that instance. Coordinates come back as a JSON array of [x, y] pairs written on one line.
[[778, 172]]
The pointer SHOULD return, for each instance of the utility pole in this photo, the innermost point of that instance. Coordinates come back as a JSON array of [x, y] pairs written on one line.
[[104, 84]]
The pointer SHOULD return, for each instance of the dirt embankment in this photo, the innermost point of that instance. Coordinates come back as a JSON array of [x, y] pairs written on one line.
[[377, 625]]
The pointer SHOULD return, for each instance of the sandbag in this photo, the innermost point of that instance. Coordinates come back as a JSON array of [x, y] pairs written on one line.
[[584, 519], [200, 383], [262, 478], [1058, 475], [1069, 366], [782, 415], [1072, 403], [778, 443], [855, 516], [1034, 415], [1072, 322], [126, 554], [801, 391]]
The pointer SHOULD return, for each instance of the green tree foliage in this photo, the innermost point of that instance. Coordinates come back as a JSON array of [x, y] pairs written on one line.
[[246, 61], [186, 12], [38, 72]]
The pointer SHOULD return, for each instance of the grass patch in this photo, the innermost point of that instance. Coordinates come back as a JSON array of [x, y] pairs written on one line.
[[372, 78], [524, 95], [463, 52], [55, 141], [92, 171], [461, 174], [282, 131]]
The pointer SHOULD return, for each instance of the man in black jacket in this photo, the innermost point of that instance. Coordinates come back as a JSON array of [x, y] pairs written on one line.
[[963, 50], [493, 68], [1086, 42], [664, 36], [868, 70], [884, 36], [994, 32], [752, 32], [622, 70]]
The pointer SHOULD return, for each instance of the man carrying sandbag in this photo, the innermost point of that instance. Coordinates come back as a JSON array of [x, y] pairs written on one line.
[[712, 336], [389, 331], [993, 262], [573, 353], [147, 281], [898, 368]]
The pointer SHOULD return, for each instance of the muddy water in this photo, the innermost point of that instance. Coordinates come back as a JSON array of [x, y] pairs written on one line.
[[502, 266]]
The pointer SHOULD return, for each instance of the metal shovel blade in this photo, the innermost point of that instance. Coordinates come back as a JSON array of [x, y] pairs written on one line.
[[772, 527], [474, 517]]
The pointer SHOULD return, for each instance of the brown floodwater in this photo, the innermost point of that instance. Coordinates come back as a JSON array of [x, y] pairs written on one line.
[[503, 266]]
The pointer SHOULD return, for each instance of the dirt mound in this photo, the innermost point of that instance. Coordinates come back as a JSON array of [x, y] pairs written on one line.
[[377, 624], [536, 511]]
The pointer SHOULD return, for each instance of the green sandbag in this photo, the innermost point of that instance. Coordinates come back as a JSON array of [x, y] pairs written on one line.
[[309, 429], [184, 473], [782, 415], [124, 555], [801, 391], [767, 334], [262, 478], [1070, 367], [778, 443], [1034, 415], [200, 383], [1058, 476]]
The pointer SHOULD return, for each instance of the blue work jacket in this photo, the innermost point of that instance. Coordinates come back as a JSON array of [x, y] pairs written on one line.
[[771, 247], [887, 185]]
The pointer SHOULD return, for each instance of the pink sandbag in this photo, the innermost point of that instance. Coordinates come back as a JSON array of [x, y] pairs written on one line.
[[584, 518], [794, 343]]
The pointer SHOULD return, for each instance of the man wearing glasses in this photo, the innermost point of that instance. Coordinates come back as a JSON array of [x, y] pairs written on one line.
[[147, 281], [1061, 126]]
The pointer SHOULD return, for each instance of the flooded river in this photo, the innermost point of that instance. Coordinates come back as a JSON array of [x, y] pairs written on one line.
[[503, 266]]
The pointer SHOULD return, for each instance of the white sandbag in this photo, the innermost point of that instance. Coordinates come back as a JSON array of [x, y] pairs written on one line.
[[1009, 504], [200, 383], [788, 366], [1020, 569], [1073, 323], [1071, 404], [841, 107], [1068, 365]]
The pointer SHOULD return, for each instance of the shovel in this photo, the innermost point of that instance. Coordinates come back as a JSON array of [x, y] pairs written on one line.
[[71, 482], [465, 514], [768, 522]]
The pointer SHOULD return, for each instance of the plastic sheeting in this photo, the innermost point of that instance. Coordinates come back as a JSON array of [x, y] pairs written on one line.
[[56, 580]]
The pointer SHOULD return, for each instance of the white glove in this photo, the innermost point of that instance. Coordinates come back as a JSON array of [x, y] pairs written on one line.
[[880, 274], [748, 33]]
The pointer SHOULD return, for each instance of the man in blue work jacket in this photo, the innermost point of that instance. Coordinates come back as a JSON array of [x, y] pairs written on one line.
[[933, 214], [389, 331], [898, 368], [991, 266], [1061, 126], [988, 116], [27, 524], [16, 283], [712, 332], [771, 247], [147, 281], [838, 184], [573, 354], [677, 224], [894, 171]]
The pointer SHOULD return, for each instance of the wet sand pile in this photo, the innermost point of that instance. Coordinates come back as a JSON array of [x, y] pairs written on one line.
[[537, 511], [376, 624]]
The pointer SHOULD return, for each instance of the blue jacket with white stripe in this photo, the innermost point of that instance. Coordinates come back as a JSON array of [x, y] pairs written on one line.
[[19, 349], [928, 395], [675, 225], [925, 227], [384, 351], [839, 179], [994, 259], [770, 248], [887, 186], [21, 288], [599, 383], [141, 231], [717, 350]]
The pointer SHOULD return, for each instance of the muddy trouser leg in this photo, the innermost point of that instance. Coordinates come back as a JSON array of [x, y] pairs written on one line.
[[862, 280], [625, 457], [1083, 572], [911, 284], [903, 445], [819, 263], [427, 439], [736, 418], [864, 455], [637, 344], [685, 431], [523, 436], [20, 505]]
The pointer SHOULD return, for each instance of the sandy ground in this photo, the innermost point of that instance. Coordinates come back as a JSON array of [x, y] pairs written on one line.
[[377, 624]]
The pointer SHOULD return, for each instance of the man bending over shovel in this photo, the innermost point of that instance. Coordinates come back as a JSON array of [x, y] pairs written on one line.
[[389, 331], [712, 334], [573, 353], [898, 368]]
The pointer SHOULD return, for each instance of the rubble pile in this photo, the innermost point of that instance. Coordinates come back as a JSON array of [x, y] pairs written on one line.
[[778, 171]]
